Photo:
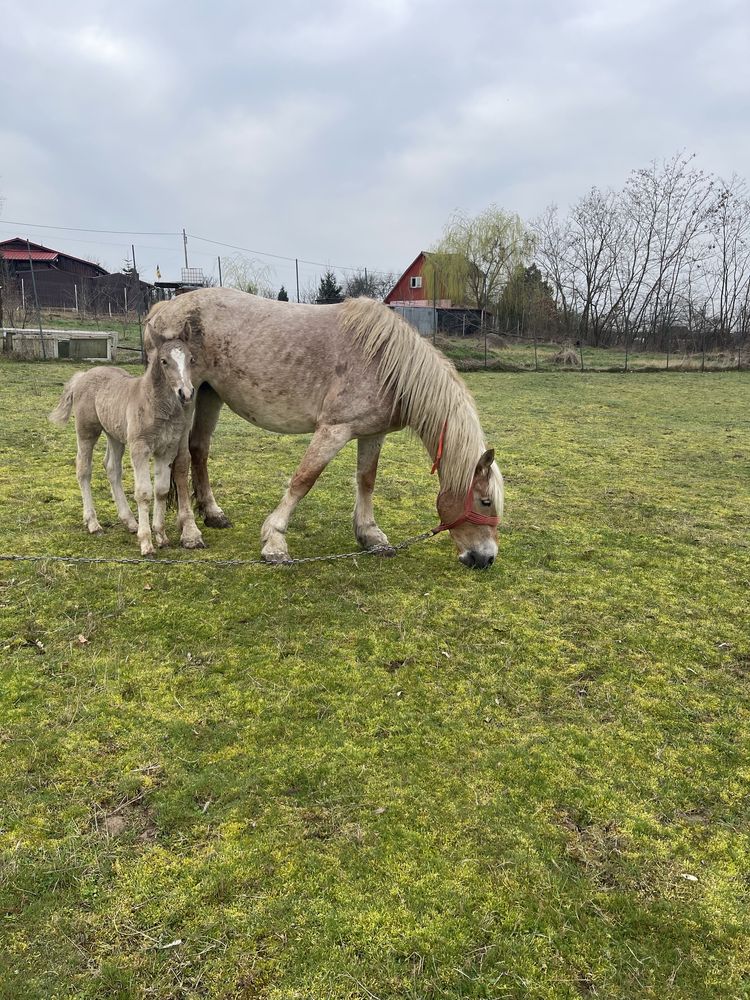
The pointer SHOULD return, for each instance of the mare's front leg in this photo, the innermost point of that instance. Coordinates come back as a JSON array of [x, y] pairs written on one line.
[[162, 477], [139, 456], [366, 531], [190, 537], [207, 408], [87, 439], [327, 442]]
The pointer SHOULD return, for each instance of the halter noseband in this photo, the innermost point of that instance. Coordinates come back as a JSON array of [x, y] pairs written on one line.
[[469, 514]]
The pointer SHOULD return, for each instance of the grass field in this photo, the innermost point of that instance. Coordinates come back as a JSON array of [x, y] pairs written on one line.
[[389, 778]]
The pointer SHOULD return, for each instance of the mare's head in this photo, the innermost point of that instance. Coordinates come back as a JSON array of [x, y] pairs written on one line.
[[472, 517], [172, 361]]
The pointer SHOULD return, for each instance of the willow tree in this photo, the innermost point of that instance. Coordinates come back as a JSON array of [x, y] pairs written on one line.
[[476, 257]]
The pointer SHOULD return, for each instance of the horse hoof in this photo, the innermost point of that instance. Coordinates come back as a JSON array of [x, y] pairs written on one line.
[[384, 551], [192, 543], [132, 527], [217, 521], [95, 528], [163, 542], [276, 558], [149, 555]]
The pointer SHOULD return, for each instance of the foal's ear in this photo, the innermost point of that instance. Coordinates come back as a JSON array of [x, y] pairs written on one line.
[[485, 461], [186, 332], [151, 339]]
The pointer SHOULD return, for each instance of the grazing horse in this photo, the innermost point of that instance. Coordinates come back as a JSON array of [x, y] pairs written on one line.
[[351, 370], [152, 414]]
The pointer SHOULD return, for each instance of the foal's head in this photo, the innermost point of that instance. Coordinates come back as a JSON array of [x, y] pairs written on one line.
[[172, 361], [472, 518]]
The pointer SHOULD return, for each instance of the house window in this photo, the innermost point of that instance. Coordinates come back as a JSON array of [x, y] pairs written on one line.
[[415, 282]]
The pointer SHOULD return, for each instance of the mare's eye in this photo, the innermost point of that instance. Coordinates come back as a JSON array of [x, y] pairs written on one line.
[[192, 361], [164, 361], [486, 502]]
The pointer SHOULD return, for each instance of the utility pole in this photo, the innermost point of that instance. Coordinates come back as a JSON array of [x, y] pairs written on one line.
[[184, 241], [36, 300], [221, 282], [296, 271], [137, 281]]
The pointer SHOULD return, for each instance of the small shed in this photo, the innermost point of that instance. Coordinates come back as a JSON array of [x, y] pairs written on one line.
[[78, 345]]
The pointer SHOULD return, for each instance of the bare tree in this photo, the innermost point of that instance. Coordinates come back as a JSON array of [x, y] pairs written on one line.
[[729, 258], [633, 263], [371, 284], [248, 275]]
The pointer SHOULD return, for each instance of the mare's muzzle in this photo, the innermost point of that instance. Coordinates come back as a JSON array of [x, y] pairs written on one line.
[[476, 560]]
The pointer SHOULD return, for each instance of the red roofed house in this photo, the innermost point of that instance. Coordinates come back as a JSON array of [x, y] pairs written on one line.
[[16, 253], [410, 297], [411, 288], [67, 282]]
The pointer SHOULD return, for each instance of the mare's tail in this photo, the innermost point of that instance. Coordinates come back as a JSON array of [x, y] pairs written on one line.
[[61, 413]]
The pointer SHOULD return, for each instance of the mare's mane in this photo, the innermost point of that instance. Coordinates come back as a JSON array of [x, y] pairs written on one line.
[[426, 388]]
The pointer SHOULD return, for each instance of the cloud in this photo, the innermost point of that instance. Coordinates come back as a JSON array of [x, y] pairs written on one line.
[[349, 131]]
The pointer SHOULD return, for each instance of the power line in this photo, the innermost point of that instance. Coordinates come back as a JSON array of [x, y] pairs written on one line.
[[277, 256], [72, 229], [7, 223], [100, 243]]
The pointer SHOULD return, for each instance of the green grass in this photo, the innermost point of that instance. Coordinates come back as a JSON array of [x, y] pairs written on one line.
[[390, 778]]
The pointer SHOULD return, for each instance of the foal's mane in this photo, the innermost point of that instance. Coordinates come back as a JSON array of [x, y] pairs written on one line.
[[427, 389]]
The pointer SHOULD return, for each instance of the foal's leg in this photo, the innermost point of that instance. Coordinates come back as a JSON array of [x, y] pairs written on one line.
[[191, 537], [86, 441], [162, 477], [327, 442], [367, 533], [207, 408], [139, 456], [113, 465]]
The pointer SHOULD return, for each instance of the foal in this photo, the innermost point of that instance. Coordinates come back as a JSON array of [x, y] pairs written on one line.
[[151, 413]]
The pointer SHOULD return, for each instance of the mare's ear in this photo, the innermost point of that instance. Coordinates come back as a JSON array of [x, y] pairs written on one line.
[[185, 333], [485, 462]]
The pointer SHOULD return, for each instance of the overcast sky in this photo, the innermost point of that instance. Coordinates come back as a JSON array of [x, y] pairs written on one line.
[[346, 132]]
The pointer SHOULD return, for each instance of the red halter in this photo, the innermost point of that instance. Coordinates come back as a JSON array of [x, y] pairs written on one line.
[[469, 514]]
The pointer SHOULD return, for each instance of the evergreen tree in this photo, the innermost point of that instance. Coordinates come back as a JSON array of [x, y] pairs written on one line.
[[282, 296], [329, 290]]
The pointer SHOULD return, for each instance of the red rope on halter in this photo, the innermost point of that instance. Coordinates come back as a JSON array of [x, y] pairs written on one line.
[[469, 514], [438, 457]]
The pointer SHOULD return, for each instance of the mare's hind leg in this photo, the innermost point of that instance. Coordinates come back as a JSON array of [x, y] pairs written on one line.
[[113, 465], [366, 531], [87, 438], [207, 408], [327, 442]]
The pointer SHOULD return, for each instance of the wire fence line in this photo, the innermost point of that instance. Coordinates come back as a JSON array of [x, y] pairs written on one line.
[[192, 562], [490, 351]]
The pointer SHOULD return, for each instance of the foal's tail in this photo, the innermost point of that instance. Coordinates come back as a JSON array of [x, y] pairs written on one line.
[[61, 413]]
